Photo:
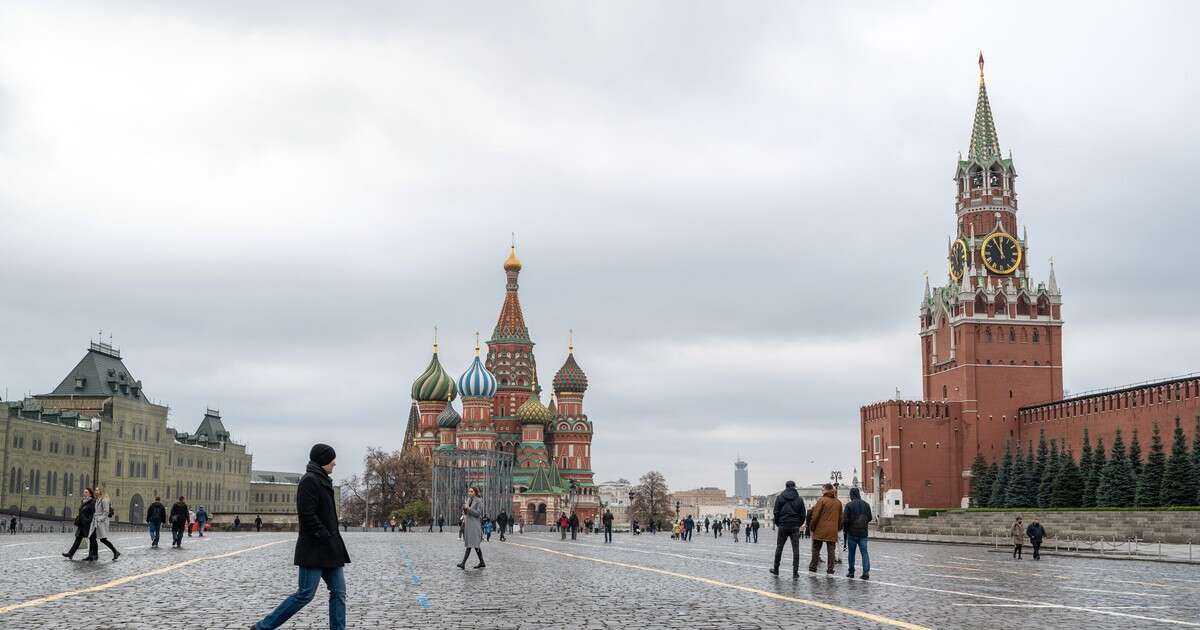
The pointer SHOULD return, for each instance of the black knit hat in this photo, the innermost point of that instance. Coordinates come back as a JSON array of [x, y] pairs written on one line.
[[322, 454]]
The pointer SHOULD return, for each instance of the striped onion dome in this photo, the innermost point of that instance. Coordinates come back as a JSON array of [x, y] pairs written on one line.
[[434, 383], [449, 418], [477, 381], [570, 377], [534, 412]]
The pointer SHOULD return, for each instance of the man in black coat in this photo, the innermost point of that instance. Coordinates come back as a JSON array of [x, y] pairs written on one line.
[[856, 516], [320, 552], [789, 518], [1036, 533], [502, 523], [179, 520], [156, 515], [607, 520], [257, 523]]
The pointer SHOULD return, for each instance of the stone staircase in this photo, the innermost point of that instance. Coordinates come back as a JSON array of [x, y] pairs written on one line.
[[1150, 527]]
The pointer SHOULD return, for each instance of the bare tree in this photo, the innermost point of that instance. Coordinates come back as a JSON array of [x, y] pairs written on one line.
[[651, 498]]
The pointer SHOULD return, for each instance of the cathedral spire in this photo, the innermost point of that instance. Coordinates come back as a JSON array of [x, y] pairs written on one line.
[[985, 146], [510, 326]]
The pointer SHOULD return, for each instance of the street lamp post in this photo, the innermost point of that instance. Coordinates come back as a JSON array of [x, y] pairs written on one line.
[[66, 496], [836, 478], [677, 510], [21, 505], [629, 511]]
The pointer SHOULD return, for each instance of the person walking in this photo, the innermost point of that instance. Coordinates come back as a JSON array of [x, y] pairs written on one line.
[[487, 528], [788, 517], [574, 523], [747, 531], [689, 525], [1036, 533], [754, 524], [237, 522], [502, 523], [191, 522], [825, 524], [12, 525], [100, 522], [201, 519], [607, 520], [706, 524], [156, 515], [735, 526], [716, 529], [320, 552], [855, 518], [472, 510], [257, 523], [1018, 538], [83, 522], [441, 520], [179, 520]]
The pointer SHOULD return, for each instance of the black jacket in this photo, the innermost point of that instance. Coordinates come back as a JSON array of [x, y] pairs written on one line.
[[320, 543], [607, 519], [179, 514], [573, 521], [856, 516], [83, 520], [156, 513], [1036, 532], [789, 509], [502, 520]]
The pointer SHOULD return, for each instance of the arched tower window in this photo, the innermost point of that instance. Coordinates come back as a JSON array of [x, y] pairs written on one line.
[[987, 335], [1001, 305], [1023, 306], [976, 177], [995, 177], [980, 305], [1043, 307]]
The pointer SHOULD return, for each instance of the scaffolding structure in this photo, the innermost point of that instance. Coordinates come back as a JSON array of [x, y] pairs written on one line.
[[489, 472]]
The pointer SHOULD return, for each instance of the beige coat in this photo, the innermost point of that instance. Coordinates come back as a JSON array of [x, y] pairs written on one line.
[[100, 520], [826, 517], [1018, 533]]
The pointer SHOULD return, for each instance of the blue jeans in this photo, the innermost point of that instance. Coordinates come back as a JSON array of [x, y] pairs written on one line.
[[335, 581], [201, 524], [855, 542], [154, 527]]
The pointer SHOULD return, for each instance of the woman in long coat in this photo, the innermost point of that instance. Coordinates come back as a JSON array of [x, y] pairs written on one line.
[[472, 510], [83, 522], [100, 525], [1018, 537]]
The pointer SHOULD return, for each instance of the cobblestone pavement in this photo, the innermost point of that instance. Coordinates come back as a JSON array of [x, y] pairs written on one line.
[[399, 580]]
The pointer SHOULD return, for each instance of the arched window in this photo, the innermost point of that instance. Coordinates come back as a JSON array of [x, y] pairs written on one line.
[[1001, 306], [987, 335], [1043, 307], [1037, 336], [1023, 306], [980, 305], [976, 177], [1012, 335]]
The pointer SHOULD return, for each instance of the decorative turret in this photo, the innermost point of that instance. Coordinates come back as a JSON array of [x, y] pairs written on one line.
[[449, 418], [534, 412], [434, 383], [570, 377], [477, 381], [985, 145]]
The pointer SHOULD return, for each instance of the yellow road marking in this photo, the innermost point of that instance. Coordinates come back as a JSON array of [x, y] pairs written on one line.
[[747, 589], [127, 579]]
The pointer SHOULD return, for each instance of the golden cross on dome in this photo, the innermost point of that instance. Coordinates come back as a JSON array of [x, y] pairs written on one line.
[[435, 339], [570, 340], [476, 343]]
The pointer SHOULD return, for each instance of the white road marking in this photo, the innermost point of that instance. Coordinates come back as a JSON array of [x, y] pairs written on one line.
[[1098, 590], [957, 577]]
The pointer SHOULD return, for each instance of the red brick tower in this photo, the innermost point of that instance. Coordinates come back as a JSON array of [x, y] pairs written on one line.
[[991, 342], [570, 440], [510, 358], [990, 337]]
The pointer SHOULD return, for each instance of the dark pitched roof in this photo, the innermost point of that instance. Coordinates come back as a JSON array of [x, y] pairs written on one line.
[[211, 428], [100, 373]]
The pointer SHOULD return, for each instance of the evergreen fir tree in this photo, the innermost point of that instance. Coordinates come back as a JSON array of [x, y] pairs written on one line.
[[1068, 485], [1179, 484], [1049, 472], [1196, 460], [1098, 462], [1085, 472], [1135, 455], [1029, 496], [1043, 457], [1015, 492], [1117, 487], [1150, 481], [981, 486], [1000, 481]]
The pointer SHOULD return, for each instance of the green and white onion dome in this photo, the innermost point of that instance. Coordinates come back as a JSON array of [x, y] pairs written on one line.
[[434, 384]]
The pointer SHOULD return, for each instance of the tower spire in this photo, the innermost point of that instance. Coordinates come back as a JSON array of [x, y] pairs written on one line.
[[985, 146]]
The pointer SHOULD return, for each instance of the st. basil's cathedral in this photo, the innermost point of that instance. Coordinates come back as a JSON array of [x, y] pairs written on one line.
[[502, 410]]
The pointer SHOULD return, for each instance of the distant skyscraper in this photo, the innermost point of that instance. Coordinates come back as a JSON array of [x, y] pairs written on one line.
[[741, 480]]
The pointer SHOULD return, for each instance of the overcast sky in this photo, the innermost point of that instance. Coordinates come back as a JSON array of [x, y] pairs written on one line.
[[269, 208]]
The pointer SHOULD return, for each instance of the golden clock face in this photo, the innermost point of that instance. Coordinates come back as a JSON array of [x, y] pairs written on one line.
[[958, 259], [1001, 253]]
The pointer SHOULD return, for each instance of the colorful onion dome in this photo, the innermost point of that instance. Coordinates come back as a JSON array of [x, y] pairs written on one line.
[[512, 263], [570, 377], [477, 381], [434, 383], [449, 418], [534, 412]]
